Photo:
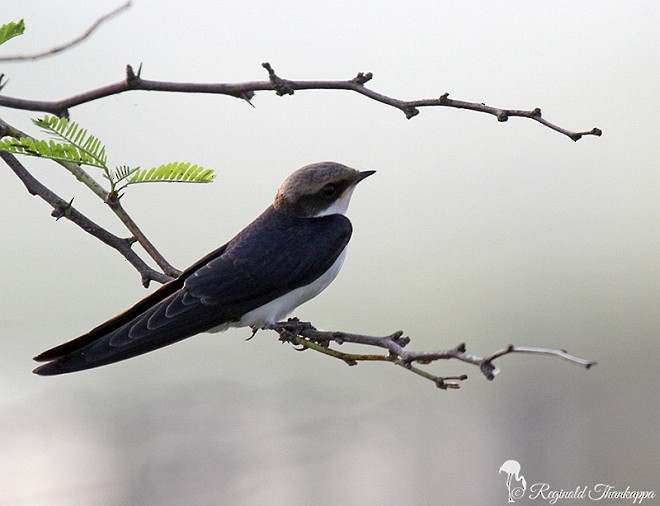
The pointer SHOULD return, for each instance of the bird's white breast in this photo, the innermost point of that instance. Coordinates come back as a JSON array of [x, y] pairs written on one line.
[[281, 307]]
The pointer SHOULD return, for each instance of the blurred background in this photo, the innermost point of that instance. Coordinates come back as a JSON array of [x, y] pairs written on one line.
[[472, 231]]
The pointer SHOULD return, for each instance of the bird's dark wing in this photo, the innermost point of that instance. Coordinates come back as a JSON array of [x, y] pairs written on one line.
[[275, 254]]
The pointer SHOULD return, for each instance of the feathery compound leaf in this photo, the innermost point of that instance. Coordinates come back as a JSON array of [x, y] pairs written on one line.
[[89, 149], [81, 147], [11, 30], [31, 147], [12, 145], [122, 172], [175, 172], [45, 149]]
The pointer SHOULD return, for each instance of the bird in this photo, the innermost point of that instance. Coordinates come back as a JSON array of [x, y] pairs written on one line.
[[288, 255]]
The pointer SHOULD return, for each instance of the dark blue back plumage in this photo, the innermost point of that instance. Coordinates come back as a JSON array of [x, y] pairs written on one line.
[[273, 255]]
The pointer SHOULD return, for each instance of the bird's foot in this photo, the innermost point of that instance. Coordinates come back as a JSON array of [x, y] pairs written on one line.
[[254, 332], [291, 328]]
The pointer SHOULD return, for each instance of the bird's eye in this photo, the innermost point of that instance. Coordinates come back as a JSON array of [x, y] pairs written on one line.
[[329, 190]]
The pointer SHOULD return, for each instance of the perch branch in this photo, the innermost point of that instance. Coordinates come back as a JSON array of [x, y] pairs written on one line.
[[246, 91], [306, 336], [71, 43]]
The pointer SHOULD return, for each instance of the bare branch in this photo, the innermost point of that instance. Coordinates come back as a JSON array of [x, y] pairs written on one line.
[[112, 200], [281, 86], [69, 44], [306, 336], [64, 209]]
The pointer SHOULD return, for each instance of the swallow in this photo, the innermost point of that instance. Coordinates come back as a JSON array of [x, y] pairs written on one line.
[[285, 257]]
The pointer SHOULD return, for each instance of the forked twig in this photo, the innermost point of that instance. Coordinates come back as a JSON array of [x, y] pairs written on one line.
[[307, 337]]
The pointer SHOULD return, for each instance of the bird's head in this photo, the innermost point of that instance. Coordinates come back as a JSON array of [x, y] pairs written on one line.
[[319, 189]]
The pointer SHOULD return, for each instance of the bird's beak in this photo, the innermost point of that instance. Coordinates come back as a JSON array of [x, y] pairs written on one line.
[[363, 175]]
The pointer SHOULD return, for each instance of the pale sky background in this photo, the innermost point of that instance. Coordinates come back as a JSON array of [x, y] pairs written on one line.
[[472, 231]]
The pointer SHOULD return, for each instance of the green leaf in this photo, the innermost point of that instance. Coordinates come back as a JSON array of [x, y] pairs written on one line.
[[50, 149], [122, 172], [88, 149], [174, 172], [11, 144], [81, 147], [11, 30]]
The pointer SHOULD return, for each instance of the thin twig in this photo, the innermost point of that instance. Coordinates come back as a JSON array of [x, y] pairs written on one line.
[[64, 209], [281, 86], [112, 200], [71, 43], [304, 335]]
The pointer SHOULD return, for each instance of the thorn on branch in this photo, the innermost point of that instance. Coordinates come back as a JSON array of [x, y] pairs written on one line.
[[443, 99], [281, 86], [247, 96], [132, 79], [61, 211]]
